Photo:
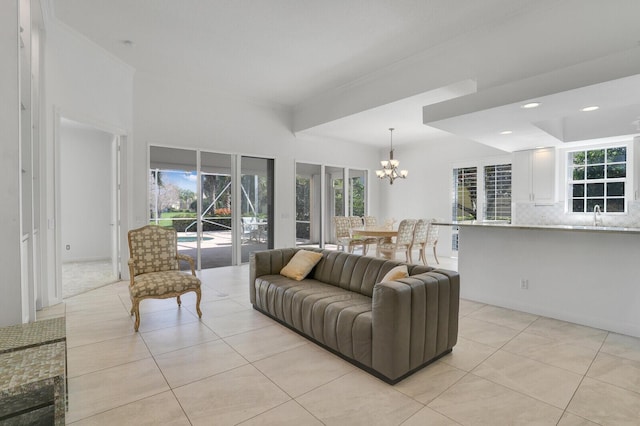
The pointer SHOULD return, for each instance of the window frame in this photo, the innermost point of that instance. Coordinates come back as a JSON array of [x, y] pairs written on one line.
[[628, 180]]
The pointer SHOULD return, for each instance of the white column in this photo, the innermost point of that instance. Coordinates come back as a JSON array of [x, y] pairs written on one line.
[[10, 168]]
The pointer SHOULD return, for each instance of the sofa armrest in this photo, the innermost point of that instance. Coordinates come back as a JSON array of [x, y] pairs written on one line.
[[391, 324], [267, 262], [414, 320]]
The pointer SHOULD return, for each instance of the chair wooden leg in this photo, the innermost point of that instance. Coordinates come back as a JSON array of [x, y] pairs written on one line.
[[135, 309], [179, 301], [198, 297], [423, 257], [435, 255]]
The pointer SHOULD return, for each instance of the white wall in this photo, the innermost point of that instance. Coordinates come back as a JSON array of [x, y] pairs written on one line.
[[178, 114], [85, 83], [86, 178], [427, 191]]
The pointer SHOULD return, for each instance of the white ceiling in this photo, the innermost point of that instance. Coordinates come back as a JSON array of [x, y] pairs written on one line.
[[558, 119], [286, 52]]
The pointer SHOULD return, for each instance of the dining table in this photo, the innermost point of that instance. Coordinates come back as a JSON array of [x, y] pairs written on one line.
[[383, 233]]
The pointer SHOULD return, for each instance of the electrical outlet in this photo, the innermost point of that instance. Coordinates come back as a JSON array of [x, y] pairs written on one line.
[[524, 284]]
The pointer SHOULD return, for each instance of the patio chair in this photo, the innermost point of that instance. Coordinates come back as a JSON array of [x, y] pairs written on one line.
[[344, 239], [402, 243], [250, 230], [154, 271]]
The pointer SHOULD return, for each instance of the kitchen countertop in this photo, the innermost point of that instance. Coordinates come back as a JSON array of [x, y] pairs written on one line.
[[580, 228]]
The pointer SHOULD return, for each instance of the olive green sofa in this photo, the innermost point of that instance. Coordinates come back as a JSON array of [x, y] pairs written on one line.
[[390, 329]]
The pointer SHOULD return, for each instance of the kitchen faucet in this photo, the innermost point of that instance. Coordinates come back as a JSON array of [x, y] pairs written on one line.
[[597, 216]]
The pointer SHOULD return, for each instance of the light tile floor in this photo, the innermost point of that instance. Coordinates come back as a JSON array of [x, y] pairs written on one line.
[[236, 366]]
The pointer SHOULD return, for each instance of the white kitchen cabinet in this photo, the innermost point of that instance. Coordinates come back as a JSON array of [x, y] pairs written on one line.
[[533, 176]]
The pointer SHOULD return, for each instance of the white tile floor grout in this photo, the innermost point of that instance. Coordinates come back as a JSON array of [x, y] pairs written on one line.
[[236, 366]]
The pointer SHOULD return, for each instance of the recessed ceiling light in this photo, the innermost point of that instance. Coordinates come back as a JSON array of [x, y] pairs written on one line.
[[506, 132], [531, 105], [590, 108]]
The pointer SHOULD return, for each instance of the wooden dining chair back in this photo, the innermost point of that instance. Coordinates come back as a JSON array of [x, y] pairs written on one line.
[[154, 271]]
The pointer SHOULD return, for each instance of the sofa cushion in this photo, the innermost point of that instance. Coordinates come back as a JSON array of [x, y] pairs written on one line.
[[301, 264], [335, 317], [170, 283]]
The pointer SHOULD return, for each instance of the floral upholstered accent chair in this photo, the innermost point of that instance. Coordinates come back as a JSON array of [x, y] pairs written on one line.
[[403, 241], [154, 271]]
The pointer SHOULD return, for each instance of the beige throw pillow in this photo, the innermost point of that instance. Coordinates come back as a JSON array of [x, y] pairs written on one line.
[[396, 273], [301, 264]]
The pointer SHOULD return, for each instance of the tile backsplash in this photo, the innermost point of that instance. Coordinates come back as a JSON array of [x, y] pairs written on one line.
[[530, 214]]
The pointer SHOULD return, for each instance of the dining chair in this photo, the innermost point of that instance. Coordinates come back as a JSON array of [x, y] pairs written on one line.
[[402, 241], [154, 271], [419, 240], [344, 239], [370, 221], [432, 240]]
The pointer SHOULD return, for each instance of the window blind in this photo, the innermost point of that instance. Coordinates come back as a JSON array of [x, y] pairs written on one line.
[[497, 192], [465, 193]]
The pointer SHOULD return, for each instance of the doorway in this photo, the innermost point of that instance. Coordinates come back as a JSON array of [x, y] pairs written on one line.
[[89, 207]]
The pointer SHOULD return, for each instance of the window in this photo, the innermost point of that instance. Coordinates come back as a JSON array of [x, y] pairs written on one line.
[[303, 209], [357, 192], [497, 192], [465, 193], [598, 177], [485, 188]]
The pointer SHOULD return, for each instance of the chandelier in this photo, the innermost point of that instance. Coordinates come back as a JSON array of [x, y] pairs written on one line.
[[390, 167]]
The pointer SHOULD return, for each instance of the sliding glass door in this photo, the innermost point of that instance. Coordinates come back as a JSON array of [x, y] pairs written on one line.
[[308, 204], [216, 242], [192, 191], [173, 194], [357, 198], [323, 192], [334, 200], [256, 205]]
